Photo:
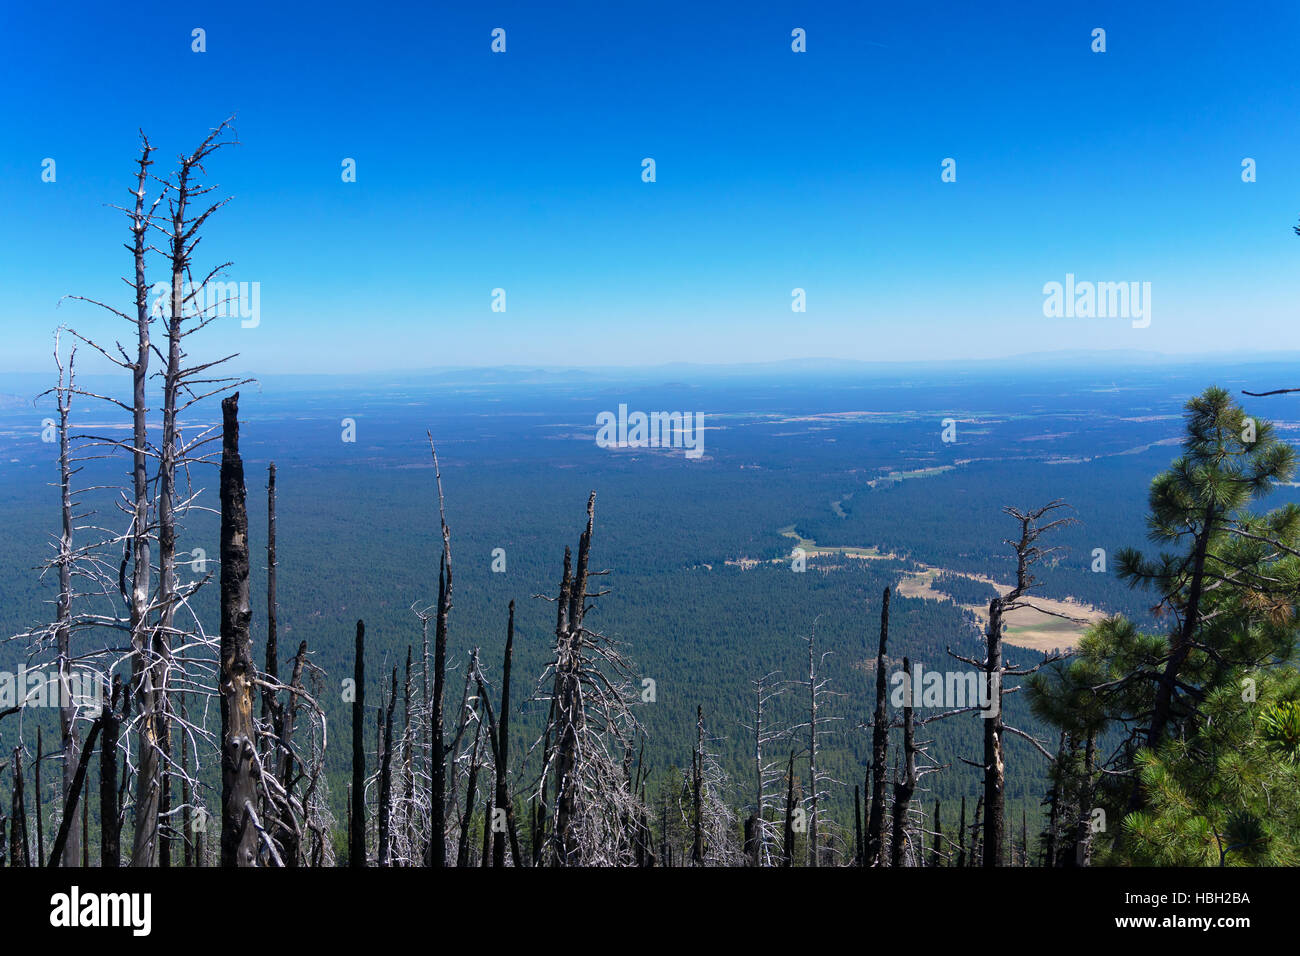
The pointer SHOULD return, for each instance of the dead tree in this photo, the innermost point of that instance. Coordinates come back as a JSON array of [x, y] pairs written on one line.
[[712, 819], [157, 505], [386, 778], [976, 849], [357, 815], [697, 787], [40, 798], [936, 856], [272, 640], [762, 836], [961, 834], [19, 848], [1054, 803], [879, 748], [1027, 553], [110, 814], [590, 730], [471, 785], [67, 824], [238, 815], [503, 754], [65, 561], [787, 845], [817, 690], [857, 825], [436, 854], [185, 312], [906, 785]]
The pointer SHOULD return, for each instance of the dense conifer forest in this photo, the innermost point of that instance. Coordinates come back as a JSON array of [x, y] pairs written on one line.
[[483, 642]]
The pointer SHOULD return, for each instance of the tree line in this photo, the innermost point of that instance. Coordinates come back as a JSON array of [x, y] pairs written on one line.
[[1174, 745]]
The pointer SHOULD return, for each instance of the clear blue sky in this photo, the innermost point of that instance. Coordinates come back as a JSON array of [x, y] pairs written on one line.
[[775, 170]]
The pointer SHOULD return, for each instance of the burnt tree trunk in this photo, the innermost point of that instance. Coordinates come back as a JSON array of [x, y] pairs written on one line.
[[438, 786], [386, 778], [272, 648], [110, 833], [437, 850], [503, 754], [697, 789], [18, 843], [879, 747], [40, 822], [857, 825], [961, 834], [357, 816], [66, 827], [936, 850], [238, 832], [905, 787], [1054, 806]]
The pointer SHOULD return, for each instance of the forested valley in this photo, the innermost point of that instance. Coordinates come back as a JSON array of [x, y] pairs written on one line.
[[427, 623]]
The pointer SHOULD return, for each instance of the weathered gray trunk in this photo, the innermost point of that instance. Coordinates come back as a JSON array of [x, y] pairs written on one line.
[[63, 640], [142, 672]]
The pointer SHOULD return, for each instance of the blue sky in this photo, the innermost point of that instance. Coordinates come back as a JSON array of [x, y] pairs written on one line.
[[775, 170]]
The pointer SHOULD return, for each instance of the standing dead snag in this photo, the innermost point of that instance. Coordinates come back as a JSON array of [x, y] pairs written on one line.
[[74, 793], [155, 504], [136, 542], [787, 846], [879, 749], [183, 386], [386, 776], [697, 786], [1028, 553], [590, 730], [357, 815], [238, 830], [19, 847], [857, 825], [65, 561], [760, 832], [905, 787], [817, 689], [272, 648], [936, 857], [502, 756], [961, 833], [110, 851], [436, 854]]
